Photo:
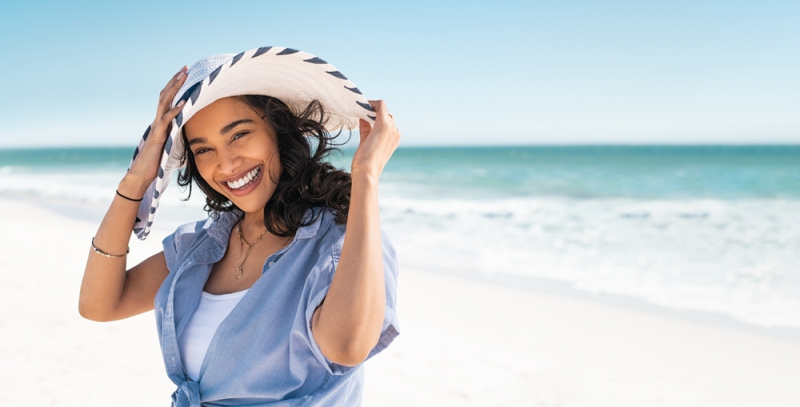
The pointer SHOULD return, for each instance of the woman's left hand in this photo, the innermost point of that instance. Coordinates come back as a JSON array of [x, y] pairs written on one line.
[[378, 141]]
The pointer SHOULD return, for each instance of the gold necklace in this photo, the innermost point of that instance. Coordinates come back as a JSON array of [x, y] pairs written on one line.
[[239, 270]]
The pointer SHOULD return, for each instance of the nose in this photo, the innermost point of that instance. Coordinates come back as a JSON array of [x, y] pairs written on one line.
[[229, 161]]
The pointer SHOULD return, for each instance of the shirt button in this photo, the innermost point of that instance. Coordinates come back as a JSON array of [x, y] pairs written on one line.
[[272, 263], [174, 362]]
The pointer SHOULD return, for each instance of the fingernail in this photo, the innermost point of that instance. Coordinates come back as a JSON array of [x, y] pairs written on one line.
[[181, 103], [180, 75]]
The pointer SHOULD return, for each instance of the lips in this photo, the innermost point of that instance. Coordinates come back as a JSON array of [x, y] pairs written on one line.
[[248, 178], [243, 183]]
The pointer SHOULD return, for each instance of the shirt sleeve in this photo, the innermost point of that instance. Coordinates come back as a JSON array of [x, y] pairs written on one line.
[[319, 289], [179, 242], [170, 251]]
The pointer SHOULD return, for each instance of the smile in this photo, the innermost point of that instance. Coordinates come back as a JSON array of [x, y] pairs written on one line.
[[244, 181]]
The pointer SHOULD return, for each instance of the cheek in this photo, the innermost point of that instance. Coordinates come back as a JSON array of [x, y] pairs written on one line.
[[275, 166], [204, 170]]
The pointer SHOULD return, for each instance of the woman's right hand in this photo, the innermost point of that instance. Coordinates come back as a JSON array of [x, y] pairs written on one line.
[[144, 168]]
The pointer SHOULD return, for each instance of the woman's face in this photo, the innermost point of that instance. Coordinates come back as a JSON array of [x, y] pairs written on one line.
[[235, 151]]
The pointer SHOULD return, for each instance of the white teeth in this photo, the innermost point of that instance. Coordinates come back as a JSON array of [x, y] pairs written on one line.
[[248, 178]]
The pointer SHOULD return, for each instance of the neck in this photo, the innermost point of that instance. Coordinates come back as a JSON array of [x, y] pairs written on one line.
[[252, 224]]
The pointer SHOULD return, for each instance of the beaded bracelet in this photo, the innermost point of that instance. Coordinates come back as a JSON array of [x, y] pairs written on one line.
[[104, 254]]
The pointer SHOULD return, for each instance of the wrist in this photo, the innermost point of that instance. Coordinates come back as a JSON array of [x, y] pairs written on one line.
[[364, 176], [132, 187]]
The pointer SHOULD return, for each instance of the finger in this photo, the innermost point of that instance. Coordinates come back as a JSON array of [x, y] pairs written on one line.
[[171, 88], [382, 114], [363, 129], [163, 121], [180, 73], [166, 118], [171, 113], [380, 108], [177, 79], [167, 94]]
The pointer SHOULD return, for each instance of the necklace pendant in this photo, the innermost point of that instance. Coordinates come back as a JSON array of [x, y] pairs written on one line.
[[239, 273]]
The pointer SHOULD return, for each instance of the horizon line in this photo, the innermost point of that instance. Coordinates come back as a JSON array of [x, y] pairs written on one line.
[[435, 146]]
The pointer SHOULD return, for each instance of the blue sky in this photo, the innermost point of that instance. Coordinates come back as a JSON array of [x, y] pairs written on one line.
[[452, 72]]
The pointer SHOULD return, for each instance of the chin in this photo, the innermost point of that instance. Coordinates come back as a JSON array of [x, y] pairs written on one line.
[[250, 207]]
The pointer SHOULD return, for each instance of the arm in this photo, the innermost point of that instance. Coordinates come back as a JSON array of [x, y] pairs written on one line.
[[348, 323], [108, 292]]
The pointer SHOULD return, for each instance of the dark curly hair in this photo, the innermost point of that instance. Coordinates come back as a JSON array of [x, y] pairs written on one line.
[[307, 179]]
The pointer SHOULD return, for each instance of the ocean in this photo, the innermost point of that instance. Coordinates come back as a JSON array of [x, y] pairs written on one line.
[[711, 229]]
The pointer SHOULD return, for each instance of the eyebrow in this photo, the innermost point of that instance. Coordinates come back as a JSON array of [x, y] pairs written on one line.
[[198, 140], [223, 130], [234, 124]]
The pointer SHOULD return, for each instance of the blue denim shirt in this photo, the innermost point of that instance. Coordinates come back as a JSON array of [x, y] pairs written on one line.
[[263, 353]]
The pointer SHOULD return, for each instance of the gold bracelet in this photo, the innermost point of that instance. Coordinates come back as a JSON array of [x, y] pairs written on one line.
[[104, 254]]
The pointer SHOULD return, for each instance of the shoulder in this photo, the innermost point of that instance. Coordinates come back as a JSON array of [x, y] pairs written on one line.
[[187, 238], [321, 227], [328, 236], [324, 228]]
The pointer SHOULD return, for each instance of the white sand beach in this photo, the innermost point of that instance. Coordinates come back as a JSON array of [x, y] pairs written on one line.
[[463, 342]]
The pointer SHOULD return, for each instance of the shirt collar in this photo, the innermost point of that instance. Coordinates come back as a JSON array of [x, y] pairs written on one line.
[[220, 229]]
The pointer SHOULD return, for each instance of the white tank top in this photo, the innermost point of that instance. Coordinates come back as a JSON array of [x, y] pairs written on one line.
[[202, 325]]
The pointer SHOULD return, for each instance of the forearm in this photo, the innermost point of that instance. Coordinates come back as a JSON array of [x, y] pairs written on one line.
[[349, 321], [108, 290], [104, 277]]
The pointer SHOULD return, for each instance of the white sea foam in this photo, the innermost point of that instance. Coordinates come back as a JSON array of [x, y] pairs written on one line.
[[736, 257], [732, 257], [96, 186], [95, 190]]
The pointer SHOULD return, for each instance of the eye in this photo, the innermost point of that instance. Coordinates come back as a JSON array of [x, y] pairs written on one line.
[[239, 135], [201, 150]]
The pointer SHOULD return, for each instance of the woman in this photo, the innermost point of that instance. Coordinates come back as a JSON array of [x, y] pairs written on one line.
[[266, 303]]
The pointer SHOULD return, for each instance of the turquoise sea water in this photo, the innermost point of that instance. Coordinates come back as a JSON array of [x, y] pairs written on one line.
[[640, 172], [673, 172], [705, 228]]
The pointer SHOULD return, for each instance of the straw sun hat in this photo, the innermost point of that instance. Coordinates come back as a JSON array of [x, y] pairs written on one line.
[[293, 76]]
